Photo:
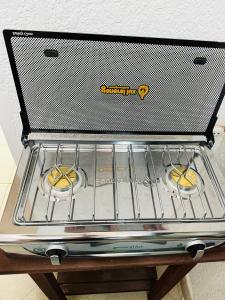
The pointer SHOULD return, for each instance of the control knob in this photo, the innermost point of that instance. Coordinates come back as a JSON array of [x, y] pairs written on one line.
[[196, 248], [56, 253]]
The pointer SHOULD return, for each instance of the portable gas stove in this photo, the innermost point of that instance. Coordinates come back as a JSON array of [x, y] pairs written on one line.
[[117, 135]]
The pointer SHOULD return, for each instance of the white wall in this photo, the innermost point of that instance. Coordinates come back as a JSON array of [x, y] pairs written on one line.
[[190, 19]]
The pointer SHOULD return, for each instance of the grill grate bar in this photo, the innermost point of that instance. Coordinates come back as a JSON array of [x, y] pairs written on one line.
[[115, 190], [192, 208], [133, 184], [50, 191], [47, 209], [178, 187], [204, 193], [52, 211], [200, 196], [72, 199], [150, 183], [94, 193], [157, 188]]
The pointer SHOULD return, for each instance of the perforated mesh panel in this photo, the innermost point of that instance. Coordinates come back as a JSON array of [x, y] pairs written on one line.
[[63, 93]]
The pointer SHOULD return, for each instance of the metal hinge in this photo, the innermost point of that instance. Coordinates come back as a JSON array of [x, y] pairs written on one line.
[[24, 140], [210, 142], [26, 129], [209, 134]]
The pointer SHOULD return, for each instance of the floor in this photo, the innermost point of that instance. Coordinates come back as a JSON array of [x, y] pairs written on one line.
[[21, 287]]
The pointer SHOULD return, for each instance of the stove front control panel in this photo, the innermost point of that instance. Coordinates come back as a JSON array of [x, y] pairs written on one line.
[[56, 251]]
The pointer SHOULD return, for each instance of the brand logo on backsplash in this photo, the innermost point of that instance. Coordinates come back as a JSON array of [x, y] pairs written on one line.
[[22, 33], [142, 90]]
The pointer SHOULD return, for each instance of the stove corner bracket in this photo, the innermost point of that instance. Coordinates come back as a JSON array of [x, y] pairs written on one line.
[[209, 132]]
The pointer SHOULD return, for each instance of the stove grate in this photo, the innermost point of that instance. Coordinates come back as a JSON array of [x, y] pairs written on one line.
[[121, 183]]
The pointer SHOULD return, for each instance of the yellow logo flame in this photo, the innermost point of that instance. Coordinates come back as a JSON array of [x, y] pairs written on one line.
[[143, 91]]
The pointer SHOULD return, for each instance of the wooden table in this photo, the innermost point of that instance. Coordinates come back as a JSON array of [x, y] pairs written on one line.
[[100, 275]]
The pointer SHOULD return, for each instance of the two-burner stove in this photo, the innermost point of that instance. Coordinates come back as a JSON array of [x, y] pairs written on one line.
[[117, 135]]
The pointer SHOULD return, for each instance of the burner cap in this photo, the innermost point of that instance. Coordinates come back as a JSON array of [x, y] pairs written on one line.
[[62, 177], [61, 182], [185, 178], [182, 179]]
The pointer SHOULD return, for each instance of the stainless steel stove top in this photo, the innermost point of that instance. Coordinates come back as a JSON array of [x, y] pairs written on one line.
[[114, 199], [119, 183]]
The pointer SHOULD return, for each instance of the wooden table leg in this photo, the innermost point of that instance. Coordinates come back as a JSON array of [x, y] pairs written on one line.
[[168, 280], [49, 285]]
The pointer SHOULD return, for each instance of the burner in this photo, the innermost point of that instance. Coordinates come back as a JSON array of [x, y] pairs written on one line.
[[182, 180], [61, 182], [62, 178]]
